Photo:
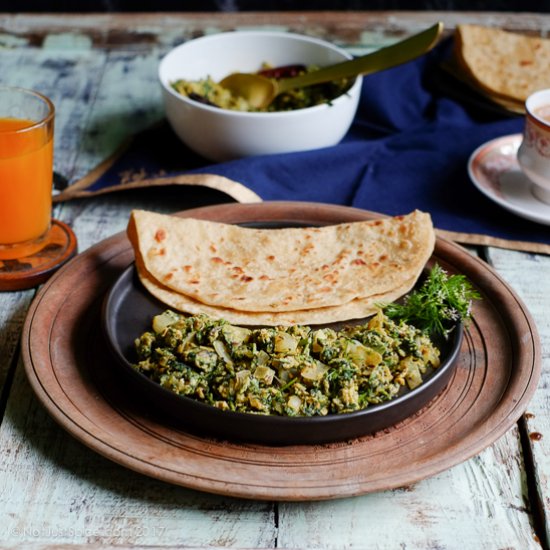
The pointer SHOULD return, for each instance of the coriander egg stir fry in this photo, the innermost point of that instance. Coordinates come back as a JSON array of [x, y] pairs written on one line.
[[294, 371], [209, 92]]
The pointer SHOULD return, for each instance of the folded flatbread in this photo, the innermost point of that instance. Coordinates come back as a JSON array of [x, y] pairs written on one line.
[[506, 65], [275, 271], [356, 309]]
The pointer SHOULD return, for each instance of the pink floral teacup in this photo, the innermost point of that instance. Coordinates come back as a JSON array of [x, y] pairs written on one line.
[[534, 152]]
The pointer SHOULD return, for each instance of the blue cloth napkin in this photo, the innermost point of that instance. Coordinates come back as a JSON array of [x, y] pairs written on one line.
[[408, 148]]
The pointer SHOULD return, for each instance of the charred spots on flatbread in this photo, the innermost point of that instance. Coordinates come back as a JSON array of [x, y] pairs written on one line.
[[345, 271]]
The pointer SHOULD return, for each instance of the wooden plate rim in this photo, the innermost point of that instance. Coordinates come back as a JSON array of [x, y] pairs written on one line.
[[518, 326]]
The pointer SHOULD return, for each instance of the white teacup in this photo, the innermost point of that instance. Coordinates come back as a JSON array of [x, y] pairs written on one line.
[[534, 152]]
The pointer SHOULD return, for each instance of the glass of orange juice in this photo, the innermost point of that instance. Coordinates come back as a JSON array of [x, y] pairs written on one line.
[[26, 171]]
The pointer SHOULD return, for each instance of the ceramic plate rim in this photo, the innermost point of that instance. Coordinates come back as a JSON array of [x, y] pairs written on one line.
[[485, 149]]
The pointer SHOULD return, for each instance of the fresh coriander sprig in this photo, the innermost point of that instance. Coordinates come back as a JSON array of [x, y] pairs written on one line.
[[437, 304]]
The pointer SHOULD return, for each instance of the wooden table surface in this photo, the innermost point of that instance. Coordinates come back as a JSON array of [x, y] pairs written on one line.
[[100, 71]]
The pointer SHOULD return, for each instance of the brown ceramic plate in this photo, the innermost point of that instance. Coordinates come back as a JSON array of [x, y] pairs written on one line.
[[75, 378], [128, 312]]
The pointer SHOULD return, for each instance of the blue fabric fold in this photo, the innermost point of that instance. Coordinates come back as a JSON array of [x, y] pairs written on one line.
[[408, 148]]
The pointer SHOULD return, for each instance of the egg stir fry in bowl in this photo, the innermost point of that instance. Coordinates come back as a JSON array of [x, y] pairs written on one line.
[[209, 92]]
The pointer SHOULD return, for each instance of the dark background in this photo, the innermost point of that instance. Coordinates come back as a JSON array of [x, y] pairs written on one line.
[[38, 6]]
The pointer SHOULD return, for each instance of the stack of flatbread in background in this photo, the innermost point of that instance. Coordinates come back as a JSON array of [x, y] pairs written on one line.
[[504, 67], [304, 275]]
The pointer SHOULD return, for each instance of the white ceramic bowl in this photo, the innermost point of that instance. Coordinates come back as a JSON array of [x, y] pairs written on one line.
[[221, 134]]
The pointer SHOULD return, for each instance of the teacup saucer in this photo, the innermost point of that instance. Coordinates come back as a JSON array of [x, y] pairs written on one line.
[[494, 170]]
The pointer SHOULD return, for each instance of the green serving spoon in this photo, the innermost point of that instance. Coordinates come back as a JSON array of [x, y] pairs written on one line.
[[260, 91]]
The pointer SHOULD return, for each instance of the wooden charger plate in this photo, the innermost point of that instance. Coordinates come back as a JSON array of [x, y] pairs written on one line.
[[70, 370]]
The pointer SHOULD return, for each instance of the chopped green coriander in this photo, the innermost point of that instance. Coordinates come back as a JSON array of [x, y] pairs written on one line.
[[436, 305]]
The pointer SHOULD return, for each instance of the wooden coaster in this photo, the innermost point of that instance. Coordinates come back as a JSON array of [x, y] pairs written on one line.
[[35, 269]]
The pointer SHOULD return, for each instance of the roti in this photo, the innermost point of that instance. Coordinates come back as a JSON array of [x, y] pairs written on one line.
[[356, 309], [281, 270], [512, 105], [504, 64]]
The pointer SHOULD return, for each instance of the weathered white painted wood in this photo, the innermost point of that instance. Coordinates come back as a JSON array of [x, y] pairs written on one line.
[[529, 274], [139, 30], [480, 504], [127, 99], [13, 309]]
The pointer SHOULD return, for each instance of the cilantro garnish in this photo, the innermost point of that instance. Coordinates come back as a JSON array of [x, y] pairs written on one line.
[[437, 304]]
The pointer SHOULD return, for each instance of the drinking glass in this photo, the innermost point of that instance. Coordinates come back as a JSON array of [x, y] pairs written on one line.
[[26, 171]]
